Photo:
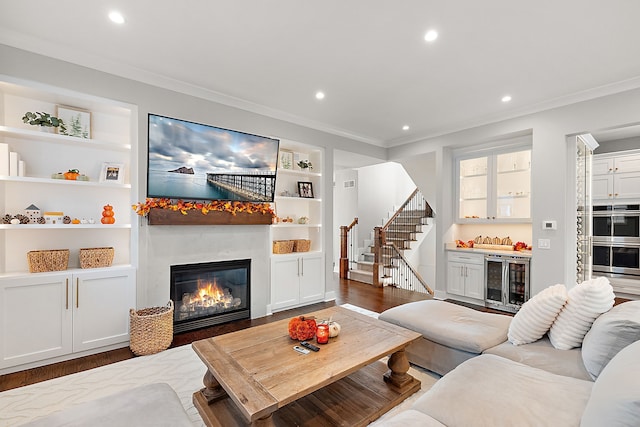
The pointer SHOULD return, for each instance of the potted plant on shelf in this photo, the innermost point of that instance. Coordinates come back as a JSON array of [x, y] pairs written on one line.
[[44, 120], [305, 164]]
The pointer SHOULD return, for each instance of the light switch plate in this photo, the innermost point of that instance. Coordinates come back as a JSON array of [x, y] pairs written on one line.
[[544, 244]]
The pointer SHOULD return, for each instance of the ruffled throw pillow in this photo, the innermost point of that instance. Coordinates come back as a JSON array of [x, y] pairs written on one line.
[[585, 303], [536, 316]]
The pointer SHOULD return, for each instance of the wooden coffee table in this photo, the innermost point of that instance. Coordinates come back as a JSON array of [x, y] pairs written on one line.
[[255, 377]]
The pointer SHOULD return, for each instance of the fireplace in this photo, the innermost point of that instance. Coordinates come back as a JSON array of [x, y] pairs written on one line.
[[211, 293]]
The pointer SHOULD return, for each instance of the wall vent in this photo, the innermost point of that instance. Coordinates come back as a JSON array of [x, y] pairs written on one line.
[[350, 184]]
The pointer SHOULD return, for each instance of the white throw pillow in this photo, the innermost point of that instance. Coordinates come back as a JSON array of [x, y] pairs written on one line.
[[586, 302], [536, 316]]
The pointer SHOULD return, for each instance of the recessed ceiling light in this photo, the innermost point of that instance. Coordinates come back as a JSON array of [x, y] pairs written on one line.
[[116, 17], [405, 127], [431, 35], [319, 95], [506, 98]]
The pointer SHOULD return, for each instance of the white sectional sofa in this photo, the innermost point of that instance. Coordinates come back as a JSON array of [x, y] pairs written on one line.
[[536, 384]]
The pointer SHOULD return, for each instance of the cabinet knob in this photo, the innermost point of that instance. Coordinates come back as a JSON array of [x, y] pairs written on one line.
[[615, 195], [616, 168], [610, 195]]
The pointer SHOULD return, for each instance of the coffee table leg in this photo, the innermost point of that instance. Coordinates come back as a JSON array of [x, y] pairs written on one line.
[[212, 390], [264, 422], [399, 366]]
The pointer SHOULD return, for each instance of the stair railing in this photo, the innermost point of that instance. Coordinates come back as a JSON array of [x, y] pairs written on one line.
[[403, 275], [387, 253], [347, 248]]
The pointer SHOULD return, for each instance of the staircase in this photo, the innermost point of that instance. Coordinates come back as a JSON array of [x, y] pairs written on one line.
[[406, 233], [386, 259]]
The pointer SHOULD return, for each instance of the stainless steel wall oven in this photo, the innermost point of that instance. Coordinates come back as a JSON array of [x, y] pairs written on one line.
[[616, 240]]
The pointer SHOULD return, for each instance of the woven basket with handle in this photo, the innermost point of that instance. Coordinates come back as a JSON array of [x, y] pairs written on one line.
[[151, 329]]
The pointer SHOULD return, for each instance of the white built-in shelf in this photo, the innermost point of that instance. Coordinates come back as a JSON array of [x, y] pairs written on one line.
[[514, 171], [297, 172], [36, 180], [287, 225], [288, 198], [62, 139], [61, 226]]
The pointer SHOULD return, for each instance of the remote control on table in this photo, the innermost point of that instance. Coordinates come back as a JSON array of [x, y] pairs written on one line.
[[309, 346], [300, 349]]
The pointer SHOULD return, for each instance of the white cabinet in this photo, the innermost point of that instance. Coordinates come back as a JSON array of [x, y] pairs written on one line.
[[465, 275], [46, 315], [296, 279], [616, 177], [494, 188]]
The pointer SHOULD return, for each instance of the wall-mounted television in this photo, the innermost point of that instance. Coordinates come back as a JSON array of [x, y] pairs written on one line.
[[188, 160]]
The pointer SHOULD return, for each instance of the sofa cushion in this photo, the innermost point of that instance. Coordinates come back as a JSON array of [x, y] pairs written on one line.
[[609, 334], [585, 303], [450, 324], [499, 392], [149, 405], [536, 316], [541, 354], [615, 398], [410, 417]]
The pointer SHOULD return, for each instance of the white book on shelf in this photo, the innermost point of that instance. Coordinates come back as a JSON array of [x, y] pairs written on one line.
[[21, 167], [4, 159], [14, 160]]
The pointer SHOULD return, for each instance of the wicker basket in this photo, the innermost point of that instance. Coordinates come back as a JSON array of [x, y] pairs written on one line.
[[151, 329], [96, 257], [49, 260], [282, 246], [301, 245]]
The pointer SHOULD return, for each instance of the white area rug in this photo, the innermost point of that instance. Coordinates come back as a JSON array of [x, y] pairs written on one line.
[[179, 367]]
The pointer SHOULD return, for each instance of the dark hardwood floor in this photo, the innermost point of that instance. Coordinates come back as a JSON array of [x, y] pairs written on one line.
[[355, 293]]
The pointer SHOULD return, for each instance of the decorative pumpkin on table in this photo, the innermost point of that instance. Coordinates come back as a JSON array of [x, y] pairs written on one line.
[[302, 328], [107, 215]]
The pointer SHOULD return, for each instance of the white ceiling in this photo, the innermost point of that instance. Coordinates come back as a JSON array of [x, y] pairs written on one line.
[[368, 56]]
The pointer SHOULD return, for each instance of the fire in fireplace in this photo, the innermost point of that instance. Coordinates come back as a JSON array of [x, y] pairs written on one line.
[[207, 294]]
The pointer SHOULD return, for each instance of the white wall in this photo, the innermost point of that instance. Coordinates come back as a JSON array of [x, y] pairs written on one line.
[[346, 207], [381, 188]]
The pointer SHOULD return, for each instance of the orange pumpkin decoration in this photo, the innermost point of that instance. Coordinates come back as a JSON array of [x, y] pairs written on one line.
[[107, 215], [302, 328], [71, 174]]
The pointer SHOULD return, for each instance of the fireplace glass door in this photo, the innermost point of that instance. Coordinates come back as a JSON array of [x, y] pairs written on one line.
[[206, 294]]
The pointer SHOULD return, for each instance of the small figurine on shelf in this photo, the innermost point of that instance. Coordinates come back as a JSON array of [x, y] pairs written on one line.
[[107, 215], [33, 213]]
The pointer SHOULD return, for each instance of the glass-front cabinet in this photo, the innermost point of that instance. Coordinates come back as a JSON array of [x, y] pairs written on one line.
[[495, 187]]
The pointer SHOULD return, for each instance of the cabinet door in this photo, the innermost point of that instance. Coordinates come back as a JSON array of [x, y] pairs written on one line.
[[602, 166], [602, 187], [311, 279], [285, 282], [473, 188], [455, 278], [35, 318], [101, 303], [626, 186], [627, 164], [474, 281]]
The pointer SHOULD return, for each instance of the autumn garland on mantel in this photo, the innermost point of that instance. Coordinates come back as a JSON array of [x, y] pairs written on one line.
[[233, 207]]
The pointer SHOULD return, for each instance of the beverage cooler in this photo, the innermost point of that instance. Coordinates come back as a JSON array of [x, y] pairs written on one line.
[[506, 282]]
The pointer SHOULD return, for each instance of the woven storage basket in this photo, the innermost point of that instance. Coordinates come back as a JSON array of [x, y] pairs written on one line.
[[96, 257], [49, 260], [151, 329], [301, 245], [282, 246]]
